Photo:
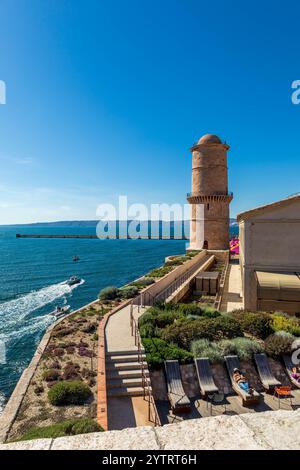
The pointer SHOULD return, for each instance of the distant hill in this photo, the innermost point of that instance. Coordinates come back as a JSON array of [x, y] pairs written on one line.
[[91, 223]]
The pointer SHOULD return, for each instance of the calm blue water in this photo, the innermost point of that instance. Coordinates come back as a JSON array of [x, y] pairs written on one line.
[[32, 272]]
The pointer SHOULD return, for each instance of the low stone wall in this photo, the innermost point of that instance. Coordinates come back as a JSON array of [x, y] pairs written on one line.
[[270, 430]]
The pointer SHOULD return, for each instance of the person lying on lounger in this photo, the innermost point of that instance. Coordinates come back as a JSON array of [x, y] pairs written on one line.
[[295, 374], [240, 379]]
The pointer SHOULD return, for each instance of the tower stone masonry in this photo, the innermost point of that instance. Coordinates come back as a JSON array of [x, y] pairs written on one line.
[[209, 225]]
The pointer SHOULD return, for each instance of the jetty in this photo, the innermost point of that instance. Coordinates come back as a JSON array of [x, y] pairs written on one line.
[[101, 237]]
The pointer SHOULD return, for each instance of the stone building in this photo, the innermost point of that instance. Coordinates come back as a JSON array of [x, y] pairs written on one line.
[[209, 225], [270, 256]]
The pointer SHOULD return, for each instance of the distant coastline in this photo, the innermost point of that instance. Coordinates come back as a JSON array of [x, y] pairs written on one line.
[[93, 223]]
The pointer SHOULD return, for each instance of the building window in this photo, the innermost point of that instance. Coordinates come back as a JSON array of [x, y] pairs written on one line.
[[207, 207], [205, 245]]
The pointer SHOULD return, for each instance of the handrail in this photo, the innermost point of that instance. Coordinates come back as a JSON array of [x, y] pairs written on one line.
[[146, 383], [177, 282], [219, 296]]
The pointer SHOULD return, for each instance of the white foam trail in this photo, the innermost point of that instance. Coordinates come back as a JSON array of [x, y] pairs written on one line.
[[16, 315]]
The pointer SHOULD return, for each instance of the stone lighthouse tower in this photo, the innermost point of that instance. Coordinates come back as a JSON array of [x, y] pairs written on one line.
[[209, 226]]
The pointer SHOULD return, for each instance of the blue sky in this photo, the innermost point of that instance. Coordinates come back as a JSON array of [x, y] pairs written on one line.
[[106, 98]]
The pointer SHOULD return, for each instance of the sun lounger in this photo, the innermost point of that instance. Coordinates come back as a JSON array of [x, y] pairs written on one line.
[[267, 378], [205, 378], [288, 366], [177, 396], [233, 362]]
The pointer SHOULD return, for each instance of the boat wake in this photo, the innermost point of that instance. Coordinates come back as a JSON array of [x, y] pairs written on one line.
[[22, 315]]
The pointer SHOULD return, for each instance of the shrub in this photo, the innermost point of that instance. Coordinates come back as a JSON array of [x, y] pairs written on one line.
[[38, 389], [276, 345], [62, 332], [65, 428], [192, 253], [89, 328], [128, 292], [58, 352], [71, 372], [158, 351], [143, 282], [109, 293], [160, 272], [254, 323], [51, 375], [84, 352], [183, 333], [55, 365], [69, 393], [285, 323], [205, 348], [244, 348]]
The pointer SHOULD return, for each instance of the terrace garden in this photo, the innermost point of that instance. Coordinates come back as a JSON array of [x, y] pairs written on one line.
[[185, 331]]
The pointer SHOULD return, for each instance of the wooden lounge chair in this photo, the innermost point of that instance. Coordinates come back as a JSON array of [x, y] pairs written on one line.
[[267, 378], [233, 362], [288, 367], [177, 396], [205, 378]]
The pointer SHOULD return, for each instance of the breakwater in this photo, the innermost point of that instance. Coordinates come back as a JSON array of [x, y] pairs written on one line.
[[117, 237]]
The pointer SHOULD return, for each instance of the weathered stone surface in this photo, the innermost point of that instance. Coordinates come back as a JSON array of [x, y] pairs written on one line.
[[36, 444], [268, 430], [141, 438], [220, 432], [278, 430]]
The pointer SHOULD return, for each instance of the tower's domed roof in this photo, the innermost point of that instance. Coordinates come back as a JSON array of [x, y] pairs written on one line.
[[209, 139]]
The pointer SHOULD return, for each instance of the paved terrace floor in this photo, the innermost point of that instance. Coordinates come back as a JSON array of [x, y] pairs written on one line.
[[118, 332], [201, 409], [232, 298]]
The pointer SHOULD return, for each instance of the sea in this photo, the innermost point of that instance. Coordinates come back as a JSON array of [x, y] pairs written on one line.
[[32, 282]]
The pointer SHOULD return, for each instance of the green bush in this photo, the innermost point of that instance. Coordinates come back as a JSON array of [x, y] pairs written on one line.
[[143, 282], [176, 261], [65, 428], [244, 348], [254, 323], [282, 322], [204, 348], [183, 333], [158, 351], [278, 344], [160, 272], [192, 253], [69, 393], [128, 292], [109, 293]]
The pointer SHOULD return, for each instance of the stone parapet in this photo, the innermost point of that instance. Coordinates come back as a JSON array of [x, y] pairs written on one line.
[[271, 430]]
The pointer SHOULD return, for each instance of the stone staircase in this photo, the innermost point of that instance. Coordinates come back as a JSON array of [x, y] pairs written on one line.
[[124, 373]]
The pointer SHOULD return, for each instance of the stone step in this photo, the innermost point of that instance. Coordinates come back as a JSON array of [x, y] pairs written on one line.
[[125, 383], [125, 374], [127, 358], [125, 392], [124, 365], [123, 353]]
